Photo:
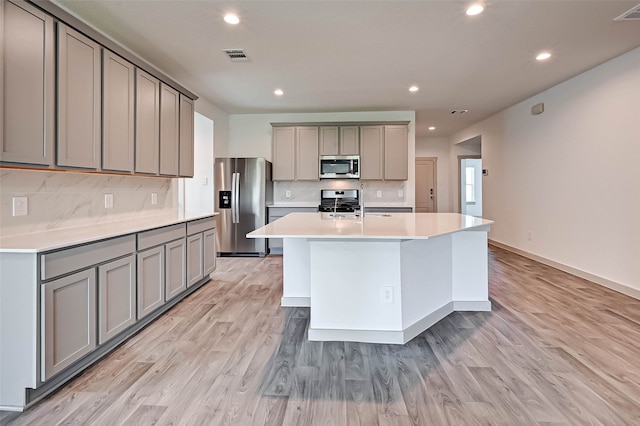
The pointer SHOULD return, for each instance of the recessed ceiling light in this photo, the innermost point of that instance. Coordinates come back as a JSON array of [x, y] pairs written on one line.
[[278, 92], [432, 128], [543, 56], [414, 88], [475, 9], [231, 19]]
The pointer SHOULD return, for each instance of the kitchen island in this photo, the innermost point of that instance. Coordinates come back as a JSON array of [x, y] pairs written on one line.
[[384, 278]]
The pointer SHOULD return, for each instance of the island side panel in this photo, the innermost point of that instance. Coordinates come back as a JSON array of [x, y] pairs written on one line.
[[347, 280], [470, 271], [427, 290], [18, 328], [296, 286]]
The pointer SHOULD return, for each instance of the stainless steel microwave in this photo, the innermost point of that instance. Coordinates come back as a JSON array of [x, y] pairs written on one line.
[[340, 167]]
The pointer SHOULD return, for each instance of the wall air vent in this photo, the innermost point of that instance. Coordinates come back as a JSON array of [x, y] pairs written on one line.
[[631, 15], [236, 55]]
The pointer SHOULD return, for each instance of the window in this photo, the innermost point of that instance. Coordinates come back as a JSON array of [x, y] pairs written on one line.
[[470, 186]]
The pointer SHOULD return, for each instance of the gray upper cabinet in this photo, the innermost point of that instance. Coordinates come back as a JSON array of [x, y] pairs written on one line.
[[306, 166], [79, 100], [186, 136], [116, 297], [147, 123], [69, 321], [343, 140], [329, 140], [27, 75], [349, 140], [169, 130], [118, 126], [395, 152], [371, 152], [284, 148]]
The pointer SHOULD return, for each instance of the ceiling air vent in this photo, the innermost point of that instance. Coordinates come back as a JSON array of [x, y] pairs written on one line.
[[630, 15], [236, 55], [459, 111]]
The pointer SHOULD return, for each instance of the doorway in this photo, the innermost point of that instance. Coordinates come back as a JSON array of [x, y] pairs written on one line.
[[426, 184], [470, 185]]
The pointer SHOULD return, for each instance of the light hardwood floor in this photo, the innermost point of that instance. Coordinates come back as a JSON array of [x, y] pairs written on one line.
[[555, 350]]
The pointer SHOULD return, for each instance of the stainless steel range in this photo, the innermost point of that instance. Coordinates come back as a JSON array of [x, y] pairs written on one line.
[[339, 200]]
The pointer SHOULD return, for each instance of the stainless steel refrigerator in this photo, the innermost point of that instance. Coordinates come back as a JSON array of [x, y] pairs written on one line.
[[243, 188]]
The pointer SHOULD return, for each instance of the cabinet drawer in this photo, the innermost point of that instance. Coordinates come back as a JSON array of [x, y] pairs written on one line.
[[155, 237], [201, 225], [64, 261]]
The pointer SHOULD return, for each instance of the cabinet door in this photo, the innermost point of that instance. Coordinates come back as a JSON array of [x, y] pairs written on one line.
[[329, 141], [371, 152], [176, 268], [209, 243], [27, 74], [195, 268], [147, 123], [169, 130], [79, 100], [116, 297], [307, 153], [69, 320], [150, 280], [284, 153], [349, 140], [118, 113], [395, 152], [186, 136]]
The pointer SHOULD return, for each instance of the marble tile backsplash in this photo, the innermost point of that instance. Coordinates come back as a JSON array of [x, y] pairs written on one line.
[[65, 199], [309, 191]]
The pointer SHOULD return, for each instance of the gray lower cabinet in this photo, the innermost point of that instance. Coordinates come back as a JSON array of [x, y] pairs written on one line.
[[195, 252], [27, 76], [79, 100], [151, 280], [69, 320], [210, 251], [275, 213], [176, 268], [116, 297]]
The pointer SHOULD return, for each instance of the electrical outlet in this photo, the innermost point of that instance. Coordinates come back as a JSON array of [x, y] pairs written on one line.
[[378, 193], [386, 294], [400, 193], [529, 236], [154, 198], [108, 201], [205, 181], [20, 206], [287, 194]]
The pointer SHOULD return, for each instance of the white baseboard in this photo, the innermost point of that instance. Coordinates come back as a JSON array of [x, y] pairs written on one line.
[[295, 302], [398, 337], [620, 288]]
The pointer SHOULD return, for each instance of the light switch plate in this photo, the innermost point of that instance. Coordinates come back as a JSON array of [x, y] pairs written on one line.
[[400, 193], [20, 206], [108, 201], [287, 194]]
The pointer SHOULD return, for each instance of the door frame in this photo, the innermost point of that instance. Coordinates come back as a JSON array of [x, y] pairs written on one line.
[[460, 158], [435, 180]]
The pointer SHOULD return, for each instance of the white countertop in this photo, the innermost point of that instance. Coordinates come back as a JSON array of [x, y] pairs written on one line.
[[375, 226], [315, 204], [65, 237]]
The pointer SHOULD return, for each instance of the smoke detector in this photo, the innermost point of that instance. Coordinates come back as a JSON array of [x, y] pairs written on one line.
[[630, 15], [236, 55]]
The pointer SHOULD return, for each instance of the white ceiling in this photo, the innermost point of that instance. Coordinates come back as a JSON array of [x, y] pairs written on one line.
[[363, 55]]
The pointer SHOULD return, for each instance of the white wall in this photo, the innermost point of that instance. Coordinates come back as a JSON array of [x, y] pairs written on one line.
[[570, 176], [197, 195], [250, 136], [439, 148]]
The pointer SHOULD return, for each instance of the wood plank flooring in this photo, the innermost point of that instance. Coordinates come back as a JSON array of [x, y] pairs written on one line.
[[555, 350]]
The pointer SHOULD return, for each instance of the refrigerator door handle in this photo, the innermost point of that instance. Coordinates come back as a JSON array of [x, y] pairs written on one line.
[[233, 197], [236, 191]]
